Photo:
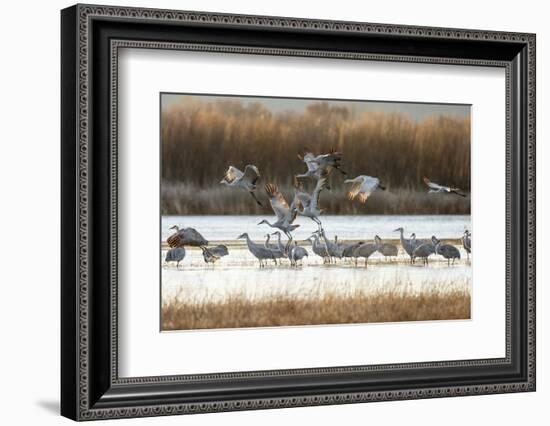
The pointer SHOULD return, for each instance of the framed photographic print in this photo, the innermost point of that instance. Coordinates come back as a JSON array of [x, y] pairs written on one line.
[[263, 212]]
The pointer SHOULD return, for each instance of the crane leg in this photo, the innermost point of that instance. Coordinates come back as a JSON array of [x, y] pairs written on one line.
[[255, 199]]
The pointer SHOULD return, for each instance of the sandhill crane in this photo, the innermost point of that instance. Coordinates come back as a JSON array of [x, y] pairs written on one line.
[[364, 250], [363, 186], [435, 187], [424, 251], [448, 251], [407, 244], [282, 247], [339, 248], [320, 165], [246, 180], [258, 251], [330, 161], [175, 254], [296, 254], [219, 250], [285, 214], [209, 256], [416, 241], [467, 242], [310, 203], [348, 250], [277, 253], [332, 248], [386, 249], [319, 248], [186, 237], [313, 169]]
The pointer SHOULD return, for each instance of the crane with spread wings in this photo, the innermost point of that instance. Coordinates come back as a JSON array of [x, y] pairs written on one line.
[[363, 186], [285, 214], [185, 237], [437, 188], [319, 166], [246, 180], [308, 204]]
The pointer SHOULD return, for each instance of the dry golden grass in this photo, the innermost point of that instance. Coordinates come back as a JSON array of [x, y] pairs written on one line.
[[189, 199], [328, 308], [199, 140]]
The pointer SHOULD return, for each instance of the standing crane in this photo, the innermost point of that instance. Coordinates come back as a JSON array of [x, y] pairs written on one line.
[[175, 254], [408, 244], [319, 248], [386, 249], [364, 250], [448, 251], [258, 251], [424, 251], [277, 252], [209, 256], [467, 242], [332, 247], [282, 247], [296, 254]]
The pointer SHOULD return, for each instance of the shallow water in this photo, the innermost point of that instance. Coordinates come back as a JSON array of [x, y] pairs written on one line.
[[239, 272], [345, 227]]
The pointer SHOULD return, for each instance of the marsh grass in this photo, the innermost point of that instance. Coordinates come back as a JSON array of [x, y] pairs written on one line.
[[190, 199], [357, 306], [200, 139]]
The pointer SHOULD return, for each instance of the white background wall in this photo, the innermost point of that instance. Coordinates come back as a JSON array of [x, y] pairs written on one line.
[[29, 194]]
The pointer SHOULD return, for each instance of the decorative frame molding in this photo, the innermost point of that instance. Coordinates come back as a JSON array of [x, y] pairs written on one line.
[[91, 388]]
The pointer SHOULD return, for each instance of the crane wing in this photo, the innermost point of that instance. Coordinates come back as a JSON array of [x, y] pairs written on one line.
[[278, 203], [304, 198], [219, 250], [309, 159], [354, 190], [457, 192], [431, 184], [174, 240], [332, 159], [193, 237], [232, 174], [186, 237], [251, 173]]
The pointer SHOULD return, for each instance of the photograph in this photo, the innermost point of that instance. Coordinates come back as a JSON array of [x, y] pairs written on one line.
[[273, 208], [278, 211]]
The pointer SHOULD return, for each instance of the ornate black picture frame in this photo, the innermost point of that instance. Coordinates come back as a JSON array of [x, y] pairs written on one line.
[[91, 36]]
